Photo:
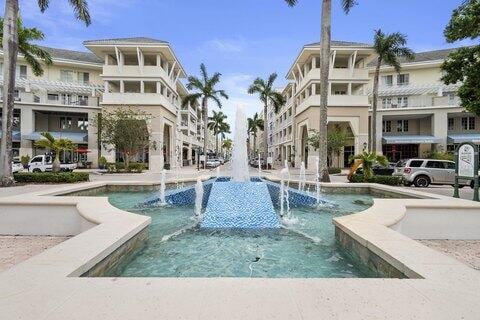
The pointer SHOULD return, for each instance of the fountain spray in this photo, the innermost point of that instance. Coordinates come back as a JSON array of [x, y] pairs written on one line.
[[240, 154], [303, 177], [162, 188], [259, 166], [198, 198], [317, 180]]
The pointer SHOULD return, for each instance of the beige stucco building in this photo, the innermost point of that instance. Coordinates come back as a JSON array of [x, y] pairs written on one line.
[[141, 73], [417, 113], [347, 102]]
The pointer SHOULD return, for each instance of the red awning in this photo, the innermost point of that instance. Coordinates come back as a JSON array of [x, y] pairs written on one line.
[[83, 150]]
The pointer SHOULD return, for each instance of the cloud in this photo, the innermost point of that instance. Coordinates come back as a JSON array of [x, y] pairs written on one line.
[[225, 45]]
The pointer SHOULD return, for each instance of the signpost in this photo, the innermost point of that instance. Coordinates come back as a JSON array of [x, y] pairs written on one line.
[[466, 167]]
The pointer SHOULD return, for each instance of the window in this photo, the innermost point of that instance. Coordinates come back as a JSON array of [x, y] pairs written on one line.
[[403, 79], [451, 123], [450, 165], [340, 92], [435, 165], [468, 123], [37, 159], [23, 72], [82, 100], [82, 124], [402, 126], [16, 118], [66, 75], [52, 97], [84, 77], [387, 80], [387, 126], [386, 103], [451, 99], [402, 102], [65, 123], [416, 163]]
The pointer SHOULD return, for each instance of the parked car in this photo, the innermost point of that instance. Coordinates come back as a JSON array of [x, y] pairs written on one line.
[[16, 166], [423, 172], [379, 169], [44, 163], [213, 163]]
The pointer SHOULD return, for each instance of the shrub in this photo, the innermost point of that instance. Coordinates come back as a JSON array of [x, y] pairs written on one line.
[[135, 167], [25, 160], [102, 161], [51, 177], [387, 180], [334, 170]]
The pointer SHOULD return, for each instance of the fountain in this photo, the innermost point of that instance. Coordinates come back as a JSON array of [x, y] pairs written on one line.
[[162, 188], [317, 180], [240, 154], [284, 197], [240, 203], [198, 198], [217, 172], [259, 166], [303, 178]]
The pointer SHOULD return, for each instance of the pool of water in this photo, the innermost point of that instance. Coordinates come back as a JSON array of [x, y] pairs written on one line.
[[177, 247]]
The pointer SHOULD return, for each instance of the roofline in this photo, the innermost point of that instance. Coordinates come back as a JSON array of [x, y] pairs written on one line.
[[409, 64], [312, 46], [54, 59], [133, 45]]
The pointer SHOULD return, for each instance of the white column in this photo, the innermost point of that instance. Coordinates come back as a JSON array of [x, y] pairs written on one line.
[[349, 92], [27, 126], [106, 85], [142, 87], [440, 128], [122, 86], [159, 60], [159, 87], [379, 133], [92, 156]]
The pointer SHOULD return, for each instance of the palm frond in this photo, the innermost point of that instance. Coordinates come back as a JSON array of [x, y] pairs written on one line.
[[291, 3], [347, 5], [80, 8]]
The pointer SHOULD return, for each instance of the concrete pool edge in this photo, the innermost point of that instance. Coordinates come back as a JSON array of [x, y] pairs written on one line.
[[50, 273]]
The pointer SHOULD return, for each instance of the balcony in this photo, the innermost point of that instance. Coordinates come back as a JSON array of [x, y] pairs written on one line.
[[113, 71], [56, 99], [336, 74], [117, 98], [335, 101], [427, 101]]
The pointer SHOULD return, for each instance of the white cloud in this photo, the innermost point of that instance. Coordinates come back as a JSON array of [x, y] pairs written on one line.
[[225, 45]]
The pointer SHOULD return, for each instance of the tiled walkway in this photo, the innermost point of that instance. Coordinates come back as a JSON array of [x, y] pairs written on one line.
[[15, 249]]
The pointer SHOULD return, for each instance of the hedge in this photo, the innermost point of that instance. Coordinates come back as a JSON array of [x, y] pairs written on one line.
[[333, 170], [388, 180], [51, 177], [119, 167]]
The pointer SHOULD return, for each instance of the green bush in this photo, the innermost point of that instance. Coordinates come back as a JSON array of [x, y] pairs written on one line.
[[387, 180], [136, 167], [334, 170], [102, 161], [25, 160], [50, 177]]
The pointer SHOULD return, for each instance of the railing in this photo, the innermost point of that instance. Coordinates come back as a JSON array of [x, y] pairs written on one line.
[[419, 102]]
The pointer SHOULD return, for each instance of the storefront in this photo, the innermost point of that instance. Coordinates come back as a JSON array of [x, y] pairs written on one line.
[[397, 148]]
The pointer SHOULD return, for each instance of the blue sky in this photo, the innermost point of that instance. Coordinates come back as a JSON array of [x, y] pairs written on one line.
[[241, 39]]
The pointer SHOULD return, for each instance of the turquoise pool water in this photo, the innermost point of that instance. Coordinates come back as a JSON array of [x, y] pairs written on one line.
[[176, 247]]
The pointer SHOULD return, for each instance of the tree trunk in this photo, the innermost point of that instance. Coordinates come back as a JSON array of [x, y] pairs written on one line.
[[254, 142], [56, 164], [216, 144], [205, 130], [10, 50], [373, 122], [265, 136], [324, 77]]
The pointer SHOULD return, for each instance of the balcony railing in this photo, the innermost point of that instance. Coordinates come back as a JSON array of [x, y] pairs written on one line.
[[418, 102]]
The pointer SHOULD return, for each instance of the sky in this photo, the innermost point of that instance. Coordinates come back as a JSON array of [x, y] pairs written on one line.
[[240, 39]]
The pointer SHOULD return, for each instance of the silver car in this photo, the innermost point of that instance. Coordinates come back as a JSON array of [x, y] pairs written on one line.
[[423, 172]]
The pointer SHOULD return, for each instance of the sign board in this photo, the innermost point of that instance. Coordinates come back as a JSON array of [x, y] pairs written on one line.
[[269, 160], [466, 167], [466, 161], [202, 158]]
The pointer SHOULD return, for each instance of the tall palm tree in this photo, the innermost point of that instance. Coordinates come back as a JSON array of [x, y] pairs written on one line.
[[10, 45], [325, 37], [227, 144], [205, 90], [55, 146], [267, 94], [389, 48], [255, 124], [217, 125]]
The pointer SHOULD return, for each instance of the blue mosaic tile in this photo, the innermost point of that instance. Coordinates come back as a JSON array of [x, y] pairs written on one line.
[[296, 198], [240, 205]]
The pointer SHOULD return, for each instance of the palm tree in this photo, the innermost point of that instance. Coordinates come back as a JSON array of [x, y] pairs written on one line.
[[227, 144], [255, 124], [324, 73], [267, 95], [205, 90], [217, 125], [55, 146], [389, 48], [368, 160], [10, 44]]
